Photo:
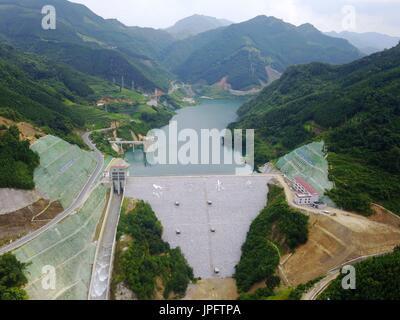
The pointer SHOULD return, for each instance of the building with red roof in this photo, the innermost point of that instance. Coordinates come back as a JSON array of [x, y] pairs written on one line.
[[305, 193]]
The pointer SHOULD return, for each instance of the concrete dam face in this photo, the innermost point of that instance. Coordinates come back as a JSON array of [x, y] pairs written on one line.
[[208, 217]]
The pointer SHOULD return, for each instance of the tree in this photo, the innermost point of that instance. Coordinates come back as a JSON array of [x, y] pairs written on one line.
[[12, 278]]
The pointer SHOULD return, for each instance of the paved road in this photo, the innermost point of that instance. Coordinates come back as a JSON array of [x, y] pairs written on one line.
[[101, 277], [79, 200], [322, 285]]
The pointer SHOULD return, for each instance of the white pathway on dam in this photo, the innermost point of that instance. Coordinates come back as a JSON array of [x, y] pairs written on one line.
[[236, 202]]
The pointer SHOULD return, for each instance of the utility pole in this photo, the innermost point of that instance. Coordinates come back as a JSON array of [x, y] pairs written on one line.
[[122, 83]]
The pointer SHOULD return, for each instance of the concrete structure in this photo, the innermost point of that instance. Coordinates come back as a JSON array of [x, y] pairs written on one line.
[[305, 193], [210, 235], [117, 172], [102, 267]]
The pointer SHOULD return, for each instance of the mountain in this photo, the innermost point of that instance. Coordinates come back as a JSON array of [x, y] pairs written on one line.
[[36, 88], [369, 42], [240, 53], [194, 25], [354, 108], [52, 96], [87, 42]]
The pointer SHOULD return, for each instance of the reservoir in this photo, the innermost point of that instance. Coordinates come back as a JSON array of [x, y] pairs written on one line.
[[208, 114]]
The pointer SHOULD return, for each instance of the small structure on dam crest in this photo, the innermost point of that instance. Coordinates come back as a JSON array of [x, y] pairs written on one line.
[[116, 173]]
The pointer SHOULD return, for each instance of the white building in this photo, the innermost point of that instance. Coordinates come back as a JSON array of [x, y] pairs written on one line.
[[305, 193]]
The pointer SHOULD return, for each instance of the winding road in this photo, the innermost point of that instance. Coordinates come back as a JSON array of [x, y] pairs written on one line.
[[79, 200]]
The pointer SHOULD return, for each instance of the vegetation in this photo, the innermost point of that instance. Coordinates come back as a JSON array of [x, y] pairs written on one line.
[[89, 43], [277, 223], [242, 51], [148, 258], [17, 161], [300, 290], [377, 279], [57, 98], [40, 91], [194, 25], [101, 142], [12, 278], [358, 184], [353, 108]]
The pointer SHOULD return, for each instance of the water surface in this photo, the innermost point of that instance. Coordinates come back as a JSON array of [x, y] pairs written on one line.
[[209, 114]]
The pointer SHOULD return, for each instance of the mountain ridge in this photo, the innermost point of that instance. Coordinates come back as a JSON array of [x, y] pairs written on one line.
[[367, 42], [134, 50], [194, 25], [242, 51]]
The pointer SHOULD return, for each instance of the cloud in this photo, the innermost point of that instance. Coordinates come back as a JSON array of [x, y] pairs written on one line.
[[372, 15]]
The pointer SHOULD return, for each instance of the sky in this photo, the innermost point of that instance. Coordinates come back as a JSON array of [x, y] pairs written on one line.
[[352, 15]]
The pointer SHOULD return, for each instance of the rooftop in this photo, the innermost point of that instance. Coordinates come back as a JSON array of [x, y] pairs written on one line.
[[118, 163], [306, 185]]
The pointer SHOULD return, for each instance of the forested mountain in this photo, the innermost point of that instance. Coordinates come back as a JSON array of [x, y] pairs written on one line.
[[87, 42], [36, 89], [368, 42], [355, 108], [194, 25], [241, 52]]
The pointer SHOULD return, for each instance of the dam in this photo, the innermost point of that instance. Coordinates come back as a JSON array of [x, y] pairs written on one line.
[[208, 217]]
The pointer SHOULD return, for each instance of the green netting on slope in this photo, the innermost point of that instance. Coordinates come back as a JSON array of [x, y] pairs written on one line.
[[69, 248], [74, 293], [308, 162], [64, 169]]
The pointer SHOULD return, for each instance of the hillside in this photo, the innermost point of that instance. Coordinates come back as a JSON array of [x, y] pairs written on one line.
[[241, 52], [377, 279], [368, 42], [195, 25], [354, 108], [17, 161], [87, 42], [278, 229], [35, 89]]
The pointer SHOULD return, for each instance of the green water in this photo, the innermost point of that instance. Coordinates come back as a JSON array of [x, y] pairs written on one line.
[[209, 114]]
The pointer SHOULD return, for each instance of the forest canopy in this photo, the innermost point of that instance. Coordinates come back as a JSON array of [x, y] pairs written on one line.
[[12, 278], [376, 279], [17, 161], [149, 258]]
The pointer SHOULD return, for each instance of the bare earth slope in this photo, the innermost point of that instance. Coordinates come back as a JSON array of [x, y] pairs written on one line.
[[337, 240]]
